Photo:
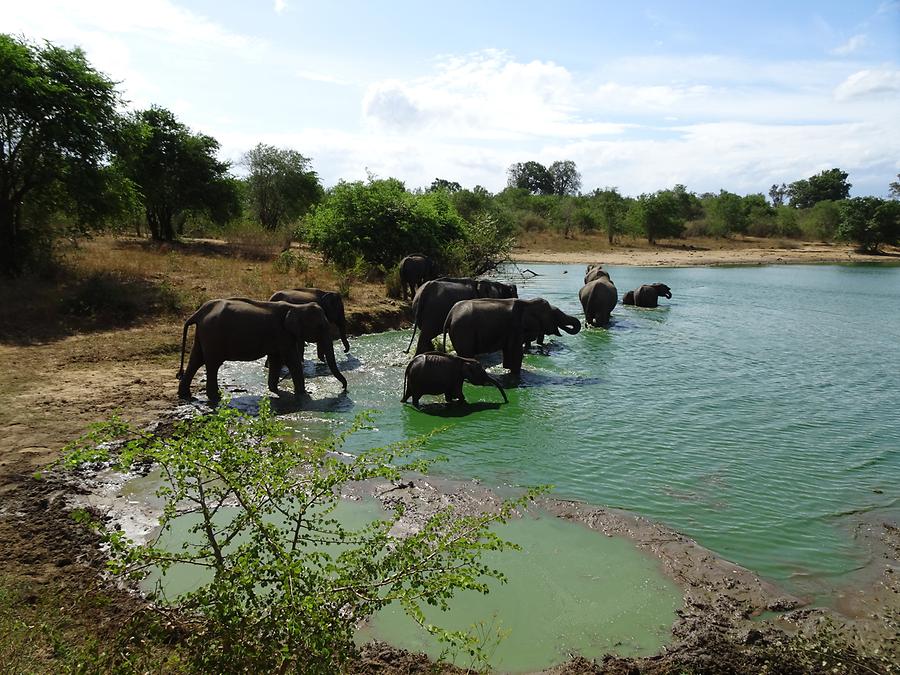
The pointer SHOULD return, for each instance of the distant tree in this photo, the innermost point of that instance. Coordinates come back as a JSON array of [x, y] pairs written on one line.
[[565, 178], [176, 172], [728, 214], [830, 184], [281, 186], [688, 202], [468, 203], [777, 194], [531, 176], [821, 221], [58, 127], [894, 188], [870, 222], [610, 208], [450, 186], [657, 215]]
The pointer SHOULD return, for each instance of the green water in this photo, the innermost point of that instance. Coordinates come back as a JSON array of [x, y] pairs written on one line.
[[757, 411], [569, 591]]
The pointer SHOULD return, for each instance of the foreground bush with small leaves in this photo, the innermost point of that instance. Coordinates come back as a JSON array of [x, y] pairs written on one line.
[[289, 582]]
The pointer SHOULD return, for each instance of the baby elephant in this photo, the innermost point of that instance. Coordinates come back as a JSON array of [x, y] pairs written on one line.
[[439, 373], [646, 295]]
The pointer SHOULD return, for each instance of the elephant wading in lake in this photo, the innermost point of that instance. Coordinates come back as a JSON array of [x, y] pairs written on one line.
[[415, 270], [436, 298], [490, 325], [593, 273], [439, 373], [245, 330], [646, 295], [598, 298], [330, 302]]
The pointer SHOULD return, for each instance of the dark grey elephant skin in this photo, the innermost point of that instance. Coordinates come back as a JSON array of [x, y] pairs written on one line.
[[330, 301], [598, 299], [482, 326], [415, 270], [647, 295], [593, 273], [436, 298], [238, 329], [439, 373]]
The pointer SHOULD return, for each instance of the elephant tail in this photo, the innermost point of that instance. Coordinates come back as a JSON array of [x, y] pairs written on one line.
[[446, 330], [417, 314], [192, 320]]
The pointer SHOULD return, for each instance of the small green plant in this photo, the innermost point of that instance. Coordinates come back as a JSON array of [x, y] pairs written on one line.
[[290, 583], [288, 261], [392, 283]]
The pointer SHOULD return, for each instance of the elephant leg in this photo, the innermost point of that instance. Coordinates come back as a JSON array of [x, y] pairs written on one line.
[[295, 365], [415, 401], [424, 343], [212, 382], [275, 363], [194, 363], [320, 353]]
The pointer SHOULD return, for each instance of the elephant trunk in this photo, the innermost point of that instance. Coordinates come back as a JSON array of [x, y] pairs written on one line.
[[572, 325], [328, 347], [497, 384], [342, 327]]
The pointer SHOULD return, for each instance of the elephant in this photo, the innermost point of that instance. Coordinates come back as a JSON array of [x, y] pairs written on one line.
[[415, 270], [440, 373], [598, 298], [238, 329], [330, 301], [487, 325], [646, 295], [436, 298], [593, 273]]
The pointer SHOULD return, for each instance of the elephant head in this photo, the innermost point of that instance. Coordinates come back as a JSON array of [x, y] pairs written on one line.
[[474, 372], [308, 323], [334, 307], [487, 288], [594, 272], [662, 290], [541, 318]]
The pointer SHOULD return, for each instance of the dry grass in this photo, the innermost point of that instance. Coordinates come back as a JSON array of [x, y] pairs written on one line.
[[552, 241]]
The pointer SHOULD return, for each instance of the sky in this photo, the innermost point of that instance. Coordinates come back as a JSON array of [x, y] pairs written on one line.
[[640, 95]]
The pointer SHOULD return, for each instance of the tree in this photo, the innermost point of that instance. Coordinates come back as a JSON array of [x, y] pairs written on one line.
[[58, 127], [894, 188], [870, 222], [657, 215], [777, 194], [531, 176], [728, 214], [281, 186], [176, 172], [610, 208], [830, 184], [565, 178], [450, 186]]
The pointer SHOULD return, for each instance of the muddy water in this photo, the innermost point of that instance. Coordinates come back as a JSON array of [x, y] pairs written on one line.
[[757, 411]]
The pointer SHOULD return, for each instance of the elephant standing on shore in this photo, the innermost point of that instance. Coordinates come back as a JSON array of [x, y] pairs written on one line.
[[238, 329], [436, 298], [598, 299], [330, 302], [594, 272], [415, 270], [482, 326], [646, 295], [439, 373]]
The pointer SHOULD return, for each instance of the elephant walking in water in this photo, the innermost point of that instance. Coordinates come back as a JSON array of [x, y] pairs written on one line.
[[647, 295], [593, 273], [330, 302], [415, 270], [439, 373], [238, 329], [487, 325], [436, 298], [598, 299]]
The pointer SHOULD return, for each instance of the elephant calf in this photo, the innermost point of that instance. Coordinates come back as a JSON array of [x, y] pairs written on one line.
[[238, 329], [646, 295], [415, 270], [439, 373], [330, 301], [598, 298]]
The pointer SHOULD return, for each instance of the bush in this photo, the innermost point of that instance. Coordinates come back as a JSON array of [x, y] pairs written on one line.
[[288, 260], [392, 286], [869, 222]]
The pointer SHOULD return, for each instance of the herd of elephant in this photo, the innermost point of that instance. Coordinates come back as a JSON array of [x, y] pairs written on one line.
[[479, 315]]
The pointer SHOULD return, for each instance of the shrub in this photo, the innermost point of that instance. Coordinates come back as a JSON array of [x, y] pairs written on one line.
[[392, 285], [870, 222]]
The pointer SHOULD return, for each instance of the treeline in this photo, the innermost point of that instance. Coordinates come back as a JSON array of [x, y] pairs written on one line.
[[72, 162]]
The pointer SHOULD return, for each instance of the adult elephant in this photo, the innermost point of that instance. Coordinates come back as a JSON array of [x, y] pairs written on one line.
[[598, 299], [415, 270], [331, 303], [238, 329], [439, 373], [436, 298], [647, 295], [594, 272], [488, 325]]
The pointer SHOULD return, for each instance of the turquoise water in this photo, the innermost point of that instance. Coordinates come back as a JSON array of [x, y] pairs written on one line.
[[757, 411]]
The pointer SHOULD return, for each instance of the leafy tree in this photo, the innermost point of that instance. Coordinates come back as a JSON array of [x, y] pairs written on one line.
[[450, 186], [657, 215], [688, 203], [610, 208], [565, 178], [777, 194], [468, 203], [485, 244], [58, 127], [531, 176], [281, 186], [830, 184], [894, 188], [870, 222], [728, 214], [759, 213], [176, 172], [821, 221]]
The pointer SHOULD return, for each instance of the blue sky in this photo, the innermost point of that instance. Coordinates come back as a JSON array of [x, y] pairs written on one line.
[[640, 95]]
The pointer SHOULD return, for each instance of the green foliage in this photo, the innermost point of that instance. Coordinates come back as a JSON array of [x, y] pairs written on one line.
[[728, 214], [290, 583], [894, 188], [288, 261], [450, 186], [281, 186], [531, 176], [485, 243], [392, 286], [58, 127], [870, 222], [468, 203], [565, 177], [610, 209], [657, 215], [176, 172], [821, 221], [830, 184]]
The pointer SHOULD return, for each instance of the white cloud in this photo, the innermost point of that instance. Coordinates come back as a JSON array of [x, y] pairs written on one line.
[[280, 6], [850, 46], [869, 84]]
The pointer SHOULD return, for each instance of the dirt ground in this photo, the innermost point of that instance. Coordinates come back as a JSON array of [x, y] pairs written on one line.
[[60, 371]]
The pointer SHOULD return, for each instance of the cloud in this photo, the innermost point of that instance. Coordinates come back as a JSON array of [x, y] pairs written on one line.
[[850, 46], [280, 6], [869, 84]]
